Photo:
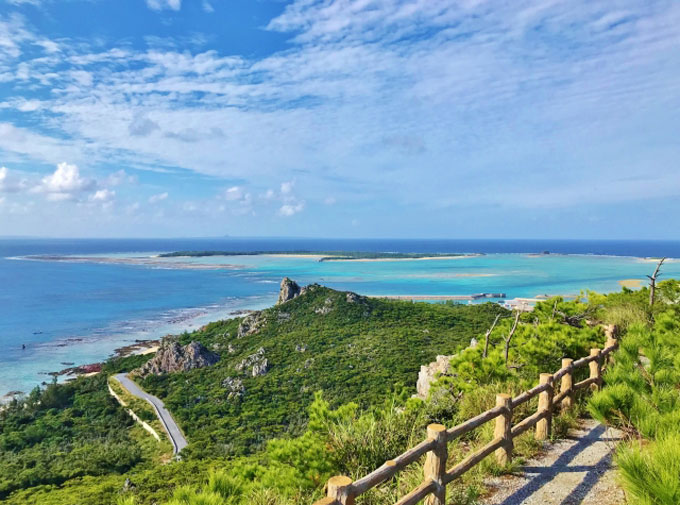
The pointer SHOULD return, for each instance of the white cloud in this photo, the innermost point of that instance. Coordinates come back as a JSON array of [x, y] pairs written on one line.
[[234, 193], [102, 196], [158, 5], [120, 177], [287, 187], [291, 209], [207, 7], [10, 183], [158, 198], [20, 2], [329, 200], [65, 183], [462, 88]]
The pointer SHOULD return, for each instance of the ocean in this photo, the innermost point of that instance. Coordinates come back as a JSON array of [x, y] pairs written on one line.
[[57, 313]]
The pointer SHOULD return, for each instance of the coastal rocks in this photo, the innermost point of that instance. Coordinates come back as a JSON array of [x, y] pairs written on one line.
[[257, 362], [91, 369], [251, 324], [234, 387], [289, 290], [430, 373], [172, 357]]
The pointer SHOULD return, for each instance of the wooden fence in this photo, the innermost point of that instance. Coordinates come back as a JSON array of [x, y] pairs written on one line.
[[341, 490]]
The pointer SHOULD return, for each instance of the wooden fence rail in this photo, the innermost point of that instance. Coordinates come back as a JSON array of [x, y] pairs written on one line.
[[341, 490]]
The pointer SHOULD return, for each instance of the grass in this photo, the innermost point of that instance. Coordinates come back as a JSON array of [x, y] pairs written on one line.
[[159, 451]]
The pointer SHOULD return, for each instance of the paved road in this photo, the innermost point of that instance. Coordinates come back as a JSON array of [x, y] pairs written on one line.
[[176, 436]]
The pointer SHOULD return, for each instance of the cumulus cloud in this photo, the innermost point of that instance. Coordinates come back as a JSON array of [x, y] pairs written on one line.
[[240, 201], [290, 209], [287, 187], [104, 197], [158, 198], [65, 183]]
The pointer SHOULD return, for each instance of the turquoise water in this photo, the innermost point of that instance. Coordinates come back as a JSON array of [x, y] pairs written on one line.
[[64, 312]]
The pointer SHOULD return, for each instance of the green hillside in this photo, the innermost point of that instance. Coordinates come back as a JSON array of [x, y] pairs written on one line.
[[355, 349], [321, 385]]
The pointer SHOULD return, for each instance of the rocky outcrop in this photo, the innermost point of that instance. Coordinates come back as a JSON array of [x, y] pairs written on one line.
[[325, 308], [234, 387], [430, 373], [257, 363], [251, 324], [353, 297], [172, 357], [289, 290]]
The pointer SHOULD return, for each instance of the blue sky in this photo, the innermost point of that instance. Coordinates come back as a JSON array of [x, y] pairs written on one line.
[[340, 118]]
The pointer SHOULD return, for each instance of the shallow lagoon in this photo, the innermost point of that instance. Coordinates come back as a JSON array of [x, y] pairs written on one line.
[[79, 312]]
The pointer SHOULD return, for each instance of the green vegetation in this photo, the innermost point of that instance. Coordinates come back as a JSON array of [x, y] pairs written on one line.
[[642, 396], [336, 399], [354, 351], [64, 432]]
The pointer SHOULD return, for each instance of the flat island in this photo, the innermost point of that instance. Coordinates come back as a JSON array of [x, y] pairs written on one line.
[[324, 255]]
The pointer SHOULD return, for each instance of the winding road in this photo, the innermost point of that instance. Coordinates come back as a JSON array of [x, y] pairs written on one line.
[[173, 431]]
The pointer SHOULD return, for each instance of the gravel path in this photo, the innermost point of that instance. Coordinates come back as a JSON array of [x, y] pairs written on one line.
[[574, 471]]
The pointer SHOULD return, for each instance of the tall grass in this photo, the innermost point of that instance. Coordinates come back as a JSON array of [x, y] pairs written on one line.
[[651, 473]]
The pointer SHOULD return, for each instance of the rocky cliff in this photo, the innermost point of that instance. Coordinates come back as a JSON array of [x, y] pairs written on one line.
[[172, 357], [289, 290]]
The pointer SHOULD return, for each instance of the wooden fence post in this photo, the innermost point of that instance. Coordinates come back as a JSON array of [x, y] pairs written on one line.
[[567, 385], [435, 464], [611, 342], [544, 426], [340, 488], [504, 429], [596, 368]]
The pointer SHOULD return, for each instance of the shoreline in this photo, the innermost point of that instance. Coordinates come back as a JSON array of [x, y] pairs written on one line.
[[125, 347], [84, 348], [157, 260], [420, 258]]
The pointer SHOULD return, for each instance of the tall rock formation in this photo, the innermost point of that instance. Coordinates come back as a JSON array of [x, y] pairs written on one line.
[[289, 290]]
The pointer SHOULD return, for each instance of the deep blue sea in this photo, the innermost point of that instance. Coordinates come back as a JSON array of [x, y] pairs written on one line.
[[79, 312]]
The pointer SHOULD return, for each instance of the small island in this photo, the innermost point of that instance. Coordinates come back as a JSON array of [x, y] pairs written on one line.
[[323, 255]]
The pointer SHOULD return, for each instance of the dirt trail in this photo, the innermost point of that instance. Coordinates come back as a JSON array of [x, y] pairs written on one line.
[[574, 471]]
